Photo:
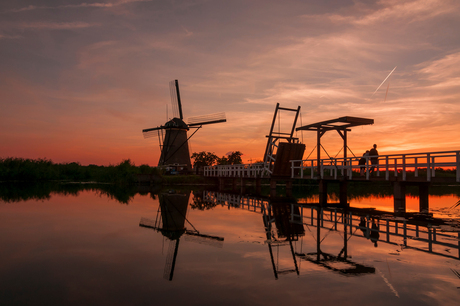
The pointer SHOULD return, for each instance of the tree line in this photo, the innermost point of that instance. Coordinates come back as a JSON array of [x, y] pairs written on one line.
[[20, 169], [202, 159]]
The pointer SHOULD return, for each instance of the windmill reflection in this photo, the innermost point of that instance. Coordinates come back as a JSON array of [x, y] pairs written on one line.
[[171, 221]]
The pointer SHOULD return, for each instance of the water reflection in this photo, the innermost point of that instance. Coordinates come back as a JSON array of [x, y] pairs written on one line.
[[81, 247], [171, 221], [420, 232], [280, 232], [16, 192]]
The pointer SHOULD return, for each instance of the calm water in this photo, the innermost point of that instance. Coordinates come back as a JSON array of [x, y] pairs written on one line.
[[87, 248]]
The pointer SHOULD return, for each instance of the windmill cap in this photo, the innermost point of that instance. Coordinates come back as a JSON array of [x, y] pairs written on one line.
[[176, 123]]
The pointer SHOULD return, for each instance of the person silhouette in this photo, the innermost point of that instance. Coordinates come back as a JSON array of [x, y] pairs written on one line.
[[374, 235], [363, 227], [362, 163], [374, 154]]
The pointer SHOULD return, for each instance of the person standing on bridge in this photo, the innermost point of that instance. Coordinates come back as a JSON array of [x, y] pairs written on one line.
[[374, 154], [362, 163]]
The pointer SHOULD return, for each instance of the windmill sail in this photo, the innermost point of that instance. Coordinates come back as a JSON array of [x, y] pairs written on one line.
[[171, 259], [175, 99], [214, 241], [154, 132], [206, 119]]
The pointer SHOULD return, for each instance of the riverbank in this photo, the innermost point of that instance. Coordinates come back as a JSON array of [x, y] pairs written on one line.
[[40, 170]]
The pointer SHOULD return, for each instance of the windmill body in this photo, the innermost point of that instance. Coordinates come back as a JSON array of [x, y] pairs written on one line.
[[175, 149], [175, 153]]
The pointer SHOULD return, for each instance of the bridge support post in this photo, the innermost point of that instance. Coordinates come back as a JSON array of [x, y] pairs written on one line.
[[289, 188], [322, 192], [234, 183], [399, 195], [242, 186], [343, 193], [273, 187], [423, 198], [258, 185], [221, 183]]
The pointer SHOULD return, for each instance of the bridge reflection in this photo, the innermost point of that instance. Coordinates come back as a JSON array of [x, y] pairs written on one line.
[[285, 221]]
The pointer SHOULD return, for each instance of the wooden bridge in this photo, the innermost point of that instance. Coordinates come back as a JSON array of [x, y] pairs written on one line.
[[408, 167], [282, 163]]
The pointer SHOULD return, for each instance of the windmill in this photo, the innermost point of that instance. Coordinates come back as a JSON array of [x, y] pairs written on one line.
[[172, 135]]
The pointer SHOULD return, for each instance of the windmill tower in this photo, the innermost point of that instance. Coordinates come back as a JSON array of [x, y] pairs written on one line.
[[172, 135]]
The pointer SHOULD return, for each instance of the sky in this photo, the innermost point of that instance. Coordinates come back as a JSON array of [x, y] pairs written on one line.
[[79, 80]]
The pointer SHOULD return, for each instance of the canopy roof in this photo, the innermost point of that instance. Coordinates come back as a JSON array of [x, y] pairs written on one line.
[[342, 123]]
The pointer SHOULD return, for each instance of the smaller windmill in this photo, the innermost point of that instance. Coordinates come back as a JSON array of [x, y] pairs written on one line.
[[172, 135]]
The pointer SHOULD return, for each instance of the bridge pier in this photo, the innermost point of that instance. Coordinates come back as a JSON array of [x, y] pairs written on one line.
[[343, 196], [289, 188], [343, 193], [239, 184], [322, 192], [258, 185], [272, 184], [288, 182], [423, 197], [399, 196]]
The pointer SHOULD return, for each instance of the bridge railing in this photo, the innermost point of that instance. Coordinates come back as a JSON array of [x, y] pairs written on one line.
[[396, 165], [240, 170]]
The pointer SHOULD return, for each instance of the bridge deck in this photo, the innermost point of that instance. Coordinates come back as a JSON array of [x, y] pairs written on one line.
[[411, 167]]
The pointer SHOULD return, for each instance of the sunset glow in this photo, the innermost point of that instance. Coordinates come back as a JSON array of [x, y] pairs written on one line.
[[79, 80]]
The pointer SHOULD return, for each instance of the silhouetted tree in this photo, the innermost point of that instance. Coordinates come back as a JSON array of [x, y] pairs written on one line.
[[232, 158], [203, 159], [235, 158]]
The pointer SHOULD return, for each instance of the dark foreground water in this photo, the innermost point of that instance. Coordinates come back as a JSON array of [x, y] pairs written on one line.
[[87, 248]]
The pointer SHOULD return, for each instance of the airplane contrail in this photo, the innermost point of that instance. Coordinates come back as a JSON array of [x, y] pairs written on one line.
[[385, 79]]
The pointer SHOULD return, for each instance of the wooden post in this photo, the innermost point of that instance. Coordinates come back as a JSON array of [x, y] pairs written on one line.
[[272, 187], [221, 183], [258, 185], [345, 149], [319, 216], [318, 152], [343, 193], [289, 188], [399, 195], [423, 198], [345, 238], [322, 192]]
